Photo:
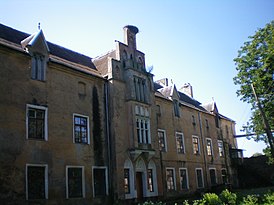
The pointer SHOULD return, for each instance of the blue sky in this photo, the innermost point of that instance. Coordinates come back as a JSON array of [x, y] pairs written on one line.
[[192, 41]]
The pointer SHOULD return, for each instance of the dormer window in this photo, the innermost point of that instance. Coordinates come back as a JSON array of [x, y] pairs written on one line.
[[36, 46], [38, 67], [176, 108]]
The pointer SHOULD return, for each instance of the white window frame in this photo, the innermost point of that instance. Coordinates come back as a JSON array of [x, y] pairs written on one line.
[[216, 178], [142, 117], [29, 106], [211, 147], [132, 193], [221, 153], [199, 148], [187, 181], [161, 130], [174, 179], [106, 175], [88, 128], [183, 140], [83, 181], [152, 166], [46, 178], [202, 175]]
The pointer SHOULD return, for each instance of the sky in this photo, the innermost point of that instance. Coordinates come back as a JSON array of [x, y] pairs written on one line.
[[188, 41]]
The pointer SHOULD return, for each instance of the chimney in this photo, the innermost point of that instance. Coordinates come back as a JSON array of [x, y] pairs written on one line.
[[187, 89], [163, 82], [130, 36]]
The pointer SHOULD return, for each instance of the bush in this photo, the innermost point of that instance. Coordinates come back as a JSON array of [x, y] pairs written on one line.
[[250, 200], [228, 197], [268, 199], [211, 199]]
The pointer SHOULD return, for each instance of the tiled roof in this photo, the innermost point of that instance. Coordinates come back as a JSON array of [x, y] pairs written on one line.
[[166, 92], [15, 36]]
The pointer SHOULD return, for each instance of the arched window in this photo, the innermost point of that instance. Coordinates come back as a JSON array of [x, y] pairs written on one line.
[[128, 179]]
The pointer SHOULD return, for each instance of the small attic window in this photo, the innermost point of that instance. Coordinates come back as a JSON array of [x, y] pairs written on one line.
[[38, 67], [176, 108]]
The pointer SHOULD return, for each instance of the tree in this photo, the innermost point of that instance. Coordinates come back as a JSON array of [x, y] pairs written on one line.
[[255, 66]]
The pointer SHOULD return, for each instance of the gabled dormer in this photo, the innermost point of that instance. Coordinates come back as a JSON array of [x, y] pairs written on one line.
[[36, 45]]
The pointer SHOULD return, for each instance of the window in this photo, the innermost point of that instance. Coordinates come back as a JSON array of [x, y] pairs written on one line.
[[127, 181], [36, 122], [170, 179], [199, 178], [180, 143], [81, 129], [224, 176], [140, 89], [142, 125], [36, 181], [183, 178], [162, 140], [209, 147], [207, 125], [75, 186], [38, 67], [221, 148], [193, 120], [213, 177], [196, 145], [176, 108], [217, 123], [150, 180], [100, 183]]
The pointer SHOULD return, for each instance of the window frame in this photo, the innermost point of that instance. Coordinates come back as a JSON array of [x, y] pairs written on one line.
[[37, 107], [173, 179], [45, 179], [221, 148], [88, 128], [162, 149], [38, 66], [226, 176], [216, 180], [202, 177], [176, 108], [211, 147], [187, 180], [182, 140], [198, 145], [150, 180], [83, 181], [128, 181], [142, 123], [106, 179]]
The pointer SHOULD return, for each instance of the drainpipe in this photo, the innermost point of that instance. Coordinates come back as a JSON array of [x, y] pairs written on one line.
[[110, 181], [204, 151]]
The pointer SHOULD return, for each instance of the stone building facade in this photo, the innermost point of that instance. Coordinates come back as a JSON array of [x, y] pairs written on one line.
[[77, 130]]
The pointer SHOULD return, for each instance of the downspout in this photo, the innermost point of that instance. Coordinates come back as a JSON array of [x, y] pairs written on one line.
[[110, 181], [204, 151]]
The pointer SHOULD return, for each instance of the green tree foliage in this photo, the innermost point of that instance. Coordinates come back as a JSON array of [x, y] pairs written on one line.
[[255, 65]]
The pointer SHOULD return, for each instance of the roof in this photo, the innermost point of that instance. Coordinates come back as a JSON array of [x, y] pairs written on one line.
[[15, 36], [101, 62]]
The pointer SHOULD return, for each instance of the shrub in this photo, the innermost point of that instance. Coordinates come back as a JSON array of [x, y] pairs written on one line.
[[269, 199], [250, 200], [228, 197], [211, 199]]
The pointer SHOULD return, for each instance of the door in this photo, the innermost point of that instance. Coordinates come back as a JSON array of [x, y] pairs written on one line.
[[139, 185]]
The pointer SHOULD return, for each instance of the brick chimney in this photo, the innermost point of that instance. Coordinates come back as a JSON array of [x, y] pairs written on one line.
[[130, 36], [187, 89]]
